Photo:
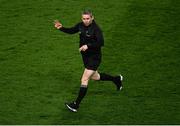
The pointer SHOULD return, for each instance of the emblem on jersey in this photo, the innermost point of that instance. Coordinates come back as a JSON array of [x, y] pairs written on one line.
[[87, 34]]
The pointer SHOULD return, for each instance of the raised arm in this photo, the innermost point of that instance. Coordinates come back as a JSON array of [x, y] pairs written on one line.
[[71, 30]]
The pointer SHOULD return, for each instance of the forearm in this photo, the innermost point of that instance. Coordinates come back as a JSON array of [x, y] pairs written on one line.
[[67, 30]]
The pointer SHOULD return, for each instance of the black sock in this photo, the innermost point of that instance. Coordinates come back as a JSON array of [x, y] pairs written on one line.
[[82, 93], [106, 77]]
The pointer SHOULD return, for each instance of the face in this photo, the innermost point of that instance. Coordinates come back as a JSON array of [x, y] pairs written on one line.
[[87, 19]]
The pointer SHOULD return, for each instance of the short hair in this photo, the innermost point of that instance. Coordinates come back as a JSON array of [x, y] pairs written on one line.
[[88, 12]]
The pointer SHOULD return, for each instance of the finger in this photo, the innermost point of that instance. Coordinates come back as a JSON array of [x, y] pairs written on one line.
[[55, 21], [58, 27], [81, 49]]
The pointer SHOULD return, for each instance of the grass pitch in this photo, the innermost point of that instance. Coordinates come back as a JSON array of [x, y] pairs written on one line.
[[40, 67]]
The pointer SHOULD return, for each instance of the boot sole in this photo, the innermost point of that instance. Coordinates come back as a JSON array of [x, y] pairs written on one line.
[[71, 109]]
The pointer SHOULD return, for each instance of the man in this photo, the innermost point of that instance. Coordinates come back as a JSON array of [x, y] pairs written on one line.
[[91, 41]]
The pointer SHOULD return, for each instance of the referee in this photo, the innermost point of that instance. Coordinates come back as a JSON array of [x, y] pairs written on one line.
[[91, 41]]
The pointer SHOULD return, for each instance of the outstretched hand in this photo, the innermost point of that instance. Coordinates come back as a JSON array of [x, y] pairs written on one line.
[[57, 24]]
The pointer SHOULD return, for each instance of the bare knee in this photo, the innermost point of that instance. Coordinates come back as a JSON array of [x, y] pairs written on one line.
[[96, 76], [84, 80], [86, 76]]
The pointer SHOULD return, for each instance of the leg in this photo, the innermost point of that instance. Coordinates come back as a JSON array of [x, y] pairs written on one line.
[[84, 84], [86, 76], [83, 89], [95, 76], [117, 80]]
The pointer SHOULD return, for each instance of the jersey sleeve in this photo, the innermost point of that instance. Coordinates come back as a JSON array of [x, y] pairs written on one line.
[[71, 30]]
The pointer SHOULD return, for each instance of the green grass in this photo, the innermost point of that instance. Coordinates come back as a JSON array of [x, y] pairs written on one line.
[[40, 67]]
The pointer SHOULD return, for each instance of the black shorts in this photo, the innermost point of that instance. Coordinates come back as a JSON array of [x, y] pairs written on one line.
[[91, 61]]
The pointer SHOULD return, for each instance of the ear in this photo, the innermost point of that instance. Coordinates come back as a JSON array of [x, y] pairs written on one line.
[[92, 17]]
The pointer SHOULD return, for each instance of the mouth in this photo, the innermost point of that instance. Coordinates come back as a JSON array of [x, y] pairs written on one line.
[[86, 24]]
